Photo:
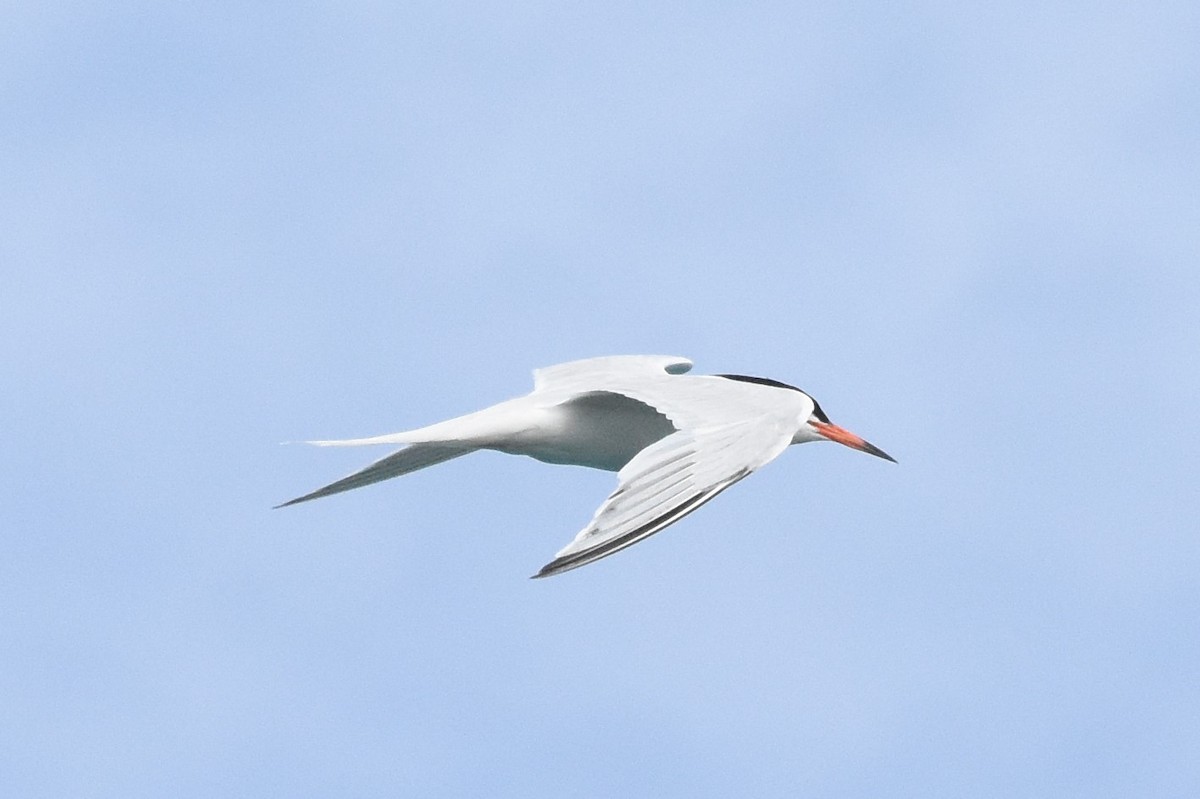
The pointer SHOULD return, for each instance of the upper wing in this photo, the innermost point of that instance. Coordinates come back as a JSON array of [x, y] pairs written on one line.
[[592, 372], [659, 381], [670, 479]]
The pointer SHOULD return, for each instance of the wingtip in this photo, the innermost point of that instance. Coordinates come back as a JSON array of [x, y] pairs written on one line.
[[556, 566]]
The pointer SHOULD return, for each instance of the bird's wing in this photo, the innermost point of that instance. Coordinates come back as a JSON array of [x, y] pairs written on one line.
[[670, 479], [590, 372]]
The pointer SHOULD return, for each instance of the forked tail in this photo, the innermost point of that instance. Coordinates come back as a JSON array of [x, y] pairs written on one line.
[[429, 445], [409, 459]]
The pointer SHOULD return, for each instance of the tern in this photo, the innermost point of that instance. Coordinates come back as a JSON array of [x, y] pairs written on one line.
[[675, 440]]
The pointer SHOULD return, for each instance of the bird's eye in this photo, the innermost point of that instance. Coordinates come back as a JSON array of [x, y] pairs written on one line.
[[820, 414]]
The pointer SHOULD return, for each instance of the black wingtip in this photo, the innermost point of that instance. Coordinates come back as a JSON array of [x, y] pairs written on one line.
[[549, 570], [560, 565]]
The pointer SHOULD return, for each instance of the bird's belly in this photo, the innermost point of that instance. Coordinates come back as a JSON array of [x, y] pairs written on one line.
[[599, 431], [595, 452]]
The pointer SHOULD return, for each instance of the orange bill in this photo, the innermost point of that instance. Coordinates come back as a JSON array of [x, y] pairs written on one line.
[[843, 436]]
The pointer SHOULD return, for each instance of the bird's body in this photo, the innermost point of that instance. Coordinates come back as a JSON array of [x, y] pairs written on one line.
[[675, 440]]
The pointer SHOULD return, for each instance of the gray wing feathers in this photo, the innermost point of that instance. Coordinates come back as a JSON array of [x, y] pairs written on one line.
[[667, 481], [610, 545]]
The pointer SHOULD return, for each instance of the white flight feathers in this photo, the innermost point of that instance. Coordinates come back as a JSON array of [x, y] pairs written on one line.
[[675, 440]]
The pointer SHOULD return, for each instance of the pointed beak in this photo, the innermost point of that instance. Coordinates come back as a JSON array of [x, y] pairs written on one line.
[[843, 436]]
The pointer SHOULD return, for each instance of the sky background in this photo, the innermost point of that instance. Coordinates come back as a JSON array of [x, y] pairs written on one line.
[[970, 232]]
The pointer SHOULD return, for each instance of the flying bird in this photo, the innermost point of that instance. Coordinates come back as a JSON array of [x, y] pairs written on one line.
[[675, 440]]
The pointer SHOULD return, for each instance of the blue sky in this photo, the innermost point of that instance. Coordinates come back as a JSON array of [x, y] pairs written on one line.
[[971, 233]]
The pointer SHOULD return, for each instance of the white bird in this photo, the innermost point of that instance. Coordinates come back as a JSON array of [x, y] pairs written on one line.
[[674, 440]]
